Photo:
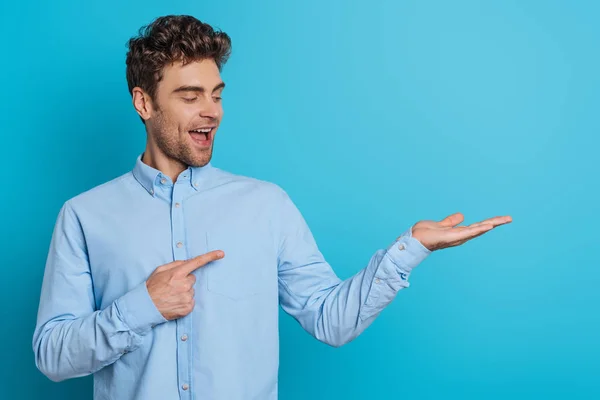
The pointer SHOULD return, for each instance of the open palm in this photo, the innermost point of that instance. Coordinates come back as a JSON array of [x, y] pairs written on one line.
[[436, 235]]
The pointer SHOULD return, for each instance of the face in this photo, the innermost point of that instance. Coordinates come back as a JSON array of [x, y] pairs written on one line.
[[186, 112]]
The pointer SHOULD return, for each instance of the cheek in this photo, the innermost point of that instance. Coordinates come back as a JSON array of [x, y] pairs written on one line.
[[189, 113], [180, 116]]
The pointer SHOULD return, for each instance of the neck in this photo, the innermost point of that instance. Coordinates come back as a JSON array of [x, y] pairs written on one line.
[[160, 161]]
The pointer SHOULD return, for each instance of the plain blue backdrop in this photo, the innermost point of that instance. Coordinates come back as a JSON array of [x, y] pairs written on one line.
[[372, 115]]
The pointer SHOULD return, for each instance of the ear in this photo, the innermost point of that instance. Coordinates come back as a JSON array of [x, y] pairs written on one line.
[[142, 103]]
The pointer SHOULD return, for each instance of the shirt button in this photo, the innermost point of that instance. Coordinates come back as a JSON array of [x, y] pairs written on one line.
[[185, 386], [401, 247], [177, 205], [151, 191], [183, 338], [179, 244], [195, 183], [163, 181], [378, 281]]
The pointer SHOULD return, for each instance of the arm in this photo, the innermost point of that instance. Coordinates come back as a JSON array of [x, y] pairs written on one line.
[[71, 337], [335, 311]]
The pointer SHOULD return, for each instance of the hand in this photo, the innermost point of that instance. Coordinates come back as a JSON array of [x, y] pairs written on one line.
[[171, 286], [438, 235]]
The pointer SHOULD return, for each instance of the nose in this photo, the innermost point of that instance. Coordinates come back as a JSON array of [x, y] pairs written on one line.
[[210, 109]]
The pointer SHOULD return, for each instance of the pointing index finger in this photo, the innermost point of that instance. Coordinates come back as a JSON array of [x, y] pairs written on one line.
[[194, 263]]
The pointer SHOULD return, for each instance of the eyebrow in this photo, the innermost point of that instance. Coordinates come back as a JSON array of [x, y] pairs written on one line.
[[198, 88]]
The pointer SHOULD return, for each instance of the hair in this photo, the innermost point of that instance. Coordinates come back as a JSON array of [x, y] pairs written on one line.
[[170, 39]]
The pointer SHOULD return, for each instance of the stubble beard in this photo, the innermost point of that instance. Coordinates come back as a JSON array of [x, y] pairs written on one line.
[[169, 142]]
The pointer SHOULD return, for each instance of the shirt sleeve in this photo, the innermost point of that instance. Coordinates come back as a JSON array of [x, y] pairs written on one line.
[[332, 310], [72, 338]]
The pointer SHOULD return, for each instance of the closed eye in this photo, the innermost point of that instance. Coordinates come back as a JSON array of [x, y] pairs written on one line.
[[189, 99]]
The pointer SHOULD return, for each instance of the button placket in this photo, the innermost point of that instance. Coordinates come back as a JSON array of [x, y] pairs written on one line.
[[183, 327]]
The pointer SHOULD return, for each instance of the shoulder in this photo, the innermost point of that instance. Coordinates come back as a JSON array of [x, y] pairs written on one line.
[[250, 186], [101, 194]]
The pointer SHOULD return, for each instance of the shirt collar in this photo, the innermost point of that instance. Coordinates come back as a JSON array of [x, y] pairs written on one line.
[[149, 177]]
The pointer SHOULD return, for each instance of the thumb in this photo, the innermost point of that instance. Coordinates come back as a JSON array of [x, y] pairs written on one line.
[[452, 220]]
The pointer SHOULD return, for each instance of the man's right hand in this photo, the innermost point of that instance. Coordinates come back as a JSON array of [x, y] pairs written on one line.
[[171, 286]]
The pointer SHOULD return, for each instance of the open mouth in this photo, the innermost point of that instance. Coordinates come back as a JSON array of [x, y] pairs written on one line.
[[202, 136]]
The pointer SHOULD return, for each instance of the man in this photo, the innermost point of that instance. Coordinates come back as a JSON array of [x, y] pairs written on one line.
[[165, 282]]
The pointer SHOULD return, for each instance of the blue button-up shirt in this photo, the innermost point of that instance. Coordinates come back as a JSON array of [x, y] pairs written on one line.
[[96, 316]]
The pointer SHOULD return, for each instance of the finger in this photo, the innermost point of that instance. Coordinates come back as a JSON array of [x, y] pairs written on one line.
[[191, 306], [188, 307], [475, 224], [190, 281], [452, 220], [466, 233], [187, 297], [496, 221], [193, 264], [466, 240]]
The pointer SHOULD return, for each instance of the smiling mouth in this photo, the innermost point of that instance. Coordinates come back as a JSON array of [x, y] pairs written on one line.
[[202, 136]]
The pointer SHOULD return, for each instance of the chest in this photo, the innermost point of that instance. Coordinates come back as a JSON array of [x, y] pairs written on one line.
[[124, 248]]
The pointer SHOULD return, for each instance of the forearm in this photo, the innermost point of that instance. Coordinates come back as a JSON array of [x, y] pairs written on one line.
[[340, 313], [341, 310], [66, 346], [332, 310]]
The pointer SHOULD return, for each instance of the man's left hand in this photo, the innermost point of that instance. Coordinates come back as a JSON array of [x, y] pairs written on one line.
[[445, 233]]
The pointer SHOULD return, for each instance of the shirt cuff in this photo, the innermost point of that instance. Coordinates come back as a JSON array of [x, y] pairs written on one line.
[[407, 252], [138, 311]]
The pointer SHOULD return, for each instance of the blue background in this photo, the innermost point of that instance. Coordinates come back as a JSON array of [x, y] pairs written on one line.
[[372, 115]]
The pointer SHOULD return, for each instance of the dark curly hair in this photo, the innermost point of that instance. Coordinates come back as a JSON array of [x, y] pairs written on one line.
[[170, 39]]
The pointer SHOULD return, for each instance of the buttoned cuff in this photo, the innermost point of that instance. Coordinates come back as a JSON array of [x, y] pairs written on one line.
[[392, 273], [138, 311], [407, 252]]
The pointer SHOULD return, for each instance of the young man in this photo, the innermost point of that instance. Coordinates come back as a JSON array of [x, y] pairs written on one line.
[[165, 282]]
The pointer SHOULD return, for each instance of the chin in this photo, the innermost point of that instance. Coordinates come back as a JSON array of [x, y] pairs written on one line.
[[200, 161]]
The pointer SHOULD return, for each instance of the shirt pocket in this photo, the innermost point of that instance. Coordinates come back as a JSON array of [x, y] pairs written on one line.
[[244, 271]]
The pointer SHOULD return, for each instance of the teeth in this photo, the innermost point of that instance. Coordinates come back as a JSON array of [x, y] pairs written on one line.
[[203, 130]]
